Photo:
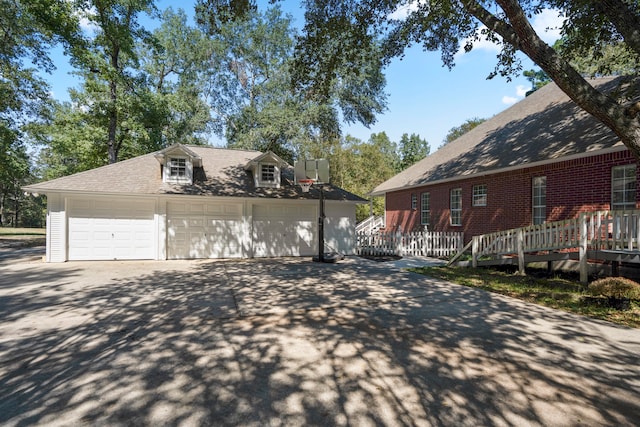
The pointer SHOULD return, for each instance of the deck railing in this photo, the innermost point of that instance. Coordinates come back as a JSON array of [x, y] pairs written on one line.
[[426, 243], [601, 230], [370, 225]]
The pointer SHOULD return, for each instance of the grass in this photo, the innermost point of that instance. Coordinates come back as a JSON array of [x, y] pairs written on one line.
[[561, 291], [17, 238], [10, 231]]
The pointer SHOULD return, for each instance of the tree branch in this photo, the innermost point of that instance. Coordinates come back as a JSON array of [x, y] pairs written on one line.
[[519, 32]]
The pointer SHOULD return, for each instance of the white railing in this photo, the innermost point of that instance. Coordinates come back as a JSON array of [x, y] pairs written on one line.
[[601, 230], [370, 225], [427, 243]]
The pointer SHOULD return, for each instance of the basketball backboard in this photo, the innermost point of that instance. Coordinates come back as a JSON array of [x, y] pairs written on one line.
[[317, 169]]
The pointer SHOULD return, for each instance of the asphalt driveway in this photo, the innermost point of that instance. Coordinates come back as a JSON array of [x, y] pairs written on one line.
[[291, 342]]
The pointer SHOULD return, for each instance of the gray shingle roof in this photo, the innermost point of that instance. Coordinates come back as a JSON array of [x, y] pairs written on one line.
[[545, 126], [222, 174]]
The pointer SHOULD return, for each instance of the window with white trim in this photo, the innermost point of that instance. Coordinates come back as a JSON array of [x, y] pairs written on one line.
[[414, 202], [623, 187], [268, 173], [539, 200], [425, 208], [455, 205], [480, 195], [177, 168]]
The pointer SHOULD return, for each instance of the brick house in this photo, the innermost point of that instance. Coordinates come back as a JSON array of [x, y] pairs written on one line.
[[543, 159]]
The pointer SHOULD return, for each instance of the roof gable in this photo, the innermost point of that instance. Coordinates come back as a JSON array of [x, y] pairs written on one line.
[[545, 126], [178, 150]]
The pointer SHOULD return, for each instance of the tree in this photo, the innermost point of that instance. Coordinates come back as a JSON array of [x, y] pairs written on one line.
[[248, 85], [537, 78], [606, 59], [28, 30], [172, 108], [457, 131], [412, 149], [359, 166], [445, 25], [106, 65]]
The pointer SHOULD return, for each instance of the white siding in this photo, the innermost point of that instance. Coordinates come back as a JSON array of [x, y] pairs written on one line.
[[56, 229], [340, 227]]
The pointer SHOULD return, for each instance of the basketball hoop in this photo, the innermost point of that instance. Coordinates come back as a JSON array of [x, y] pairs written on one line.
[[305, 184]]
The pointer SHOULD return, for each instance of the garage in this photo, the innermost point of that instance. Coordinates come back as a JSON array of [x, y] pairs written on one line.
[[107, 229], [284, 230], [204, 230]]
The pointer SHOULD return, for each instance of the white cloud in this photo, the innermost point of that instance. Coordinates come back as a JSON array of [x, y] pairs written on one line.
[[509, 100], [546, 24], [521, 91], [404, 10]]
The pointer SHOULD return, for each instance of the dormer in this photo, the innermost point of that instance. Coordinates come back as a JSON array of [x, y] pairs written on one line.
[[266, 170], [177, 163]]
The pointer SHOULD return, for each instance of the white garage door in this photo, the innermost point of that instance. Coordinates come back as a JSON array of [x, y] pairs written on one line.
[[284, 230], [204, 230], [104, 229]]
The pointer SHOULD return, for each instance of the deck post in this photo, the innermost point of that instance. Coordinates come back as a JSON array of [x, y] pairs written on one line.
[[520, 244], [584, 266], [474, 251]]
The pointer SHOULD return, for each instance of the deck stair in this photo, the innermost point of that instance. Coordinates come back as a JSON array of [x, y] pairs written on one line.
[[603, 235]]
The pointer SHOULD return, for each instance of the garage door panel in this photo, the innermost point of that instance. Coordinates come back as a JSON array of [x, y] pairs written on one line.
[[204, 230], [284, 230], [101, 229]]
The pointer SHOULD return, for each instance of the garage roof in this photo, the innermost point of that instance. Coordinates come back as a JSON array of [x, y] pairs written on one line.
[[222, 174]]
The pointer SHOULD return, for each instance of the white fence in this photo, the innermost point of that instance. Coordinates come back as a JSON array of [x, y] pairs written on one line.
[[427, 243]]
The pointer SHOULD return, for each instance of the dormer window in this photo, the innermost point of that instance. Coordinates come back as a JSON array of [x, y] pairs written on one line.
[[177, 163], [266, 170], [177, 168], [268, 174]]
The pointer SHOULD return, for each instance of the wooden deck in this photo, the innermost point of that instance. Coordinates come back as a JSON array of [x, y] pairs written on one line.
[[612, 236]]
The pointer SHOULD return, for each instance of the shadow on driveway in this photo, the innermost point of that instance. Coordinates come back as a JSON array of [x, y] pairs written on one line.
[[291, 342]]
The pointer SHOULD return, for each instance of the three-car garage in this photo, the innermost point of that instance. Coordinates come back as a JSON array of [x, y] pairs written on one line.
[[104, 228]]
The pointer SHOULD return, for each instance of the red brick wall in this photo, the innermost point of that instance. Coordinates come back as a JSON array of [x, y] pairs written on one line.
[[573, 186]]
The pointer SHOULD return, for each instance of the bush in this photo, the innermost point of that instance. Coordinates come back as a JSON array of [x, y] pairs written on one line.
[[615, 287]]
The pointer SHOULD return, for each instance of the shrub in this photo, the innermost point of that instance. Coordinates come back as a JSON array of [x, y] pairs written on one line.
[[615, 287]]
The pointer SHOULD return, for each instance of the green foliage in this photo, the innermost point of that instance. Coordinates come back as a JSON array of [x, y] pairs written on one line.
[[343, 38], [457, 131], [603, 59], [537, 78], [359, 166], [213, 14], [615, 287], [249, 88], [412, 149]]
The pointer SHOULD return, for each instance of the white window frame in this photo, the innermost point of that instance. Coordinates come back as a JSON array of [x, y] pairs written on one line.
[[172, 169], [623, 187], [425, 208], [414, 202], [268, 175], [455, 206], [480, 195], [539, 200]]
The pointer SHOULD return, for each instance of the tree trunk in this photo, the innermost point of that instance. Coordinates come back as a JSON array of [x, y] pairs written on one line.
[[519, 32], [113, 123]]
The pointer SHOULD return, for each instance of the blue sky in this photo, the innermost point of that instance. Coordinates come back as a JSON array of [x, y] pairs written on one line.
[[423, 96]]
